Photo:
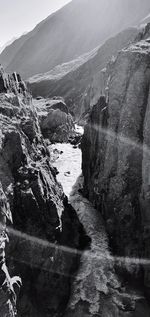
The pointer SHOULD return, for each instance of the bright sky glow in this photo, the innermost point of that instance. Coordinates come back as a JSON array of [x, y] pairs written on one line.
[[20, 16]]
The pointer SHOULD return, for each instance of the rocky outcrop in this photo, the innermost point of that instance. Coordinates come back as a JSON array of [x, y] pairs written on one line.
[[46, 231], [7, 284], [12, 83], [115, 150], [55, 121]]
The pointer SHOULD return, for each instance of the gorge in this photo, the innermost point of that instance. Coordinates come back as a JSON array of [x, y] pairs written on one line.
[[75, 173]]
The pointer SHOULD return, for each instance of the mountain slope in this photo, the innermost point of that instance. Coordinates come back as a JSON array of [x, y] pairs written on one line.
[[79, 84], [75, 29]]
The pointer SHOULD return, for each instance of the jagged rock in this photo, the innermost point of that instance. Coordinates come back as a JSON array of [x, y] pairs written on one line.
[[115, 150], [55, 120], [3, 83], [44, 224], [12, 83], [7, 291]]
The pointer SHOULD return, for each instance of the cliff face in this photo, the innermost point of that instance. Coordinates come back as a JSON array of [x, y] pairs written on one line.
[[116, 156], [45, 227], [8, 285]]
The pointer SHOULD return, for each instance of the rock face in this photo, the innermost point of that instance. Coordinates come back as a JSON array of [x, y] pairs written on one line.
[[79, 81], [57, 39], [97, 289], [46, 231], [12, 83], [55, 121], [7, 290], [116, 159]]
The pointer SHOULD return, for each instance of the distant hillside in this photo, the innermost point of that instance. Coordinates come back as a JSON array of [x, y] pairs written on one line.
[[7, 44], [75, 29], [80, 83]]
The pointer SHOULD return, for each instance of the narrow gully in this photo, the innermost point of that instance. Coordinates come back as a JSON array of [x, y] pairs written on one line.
[[96, 288]]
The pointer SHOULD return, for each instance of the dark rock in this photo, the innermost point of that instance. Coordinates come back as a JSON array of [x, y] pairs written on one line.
[[12, 83], [55, 120], [29, 128], [3, 81], [115, 153], [43, 228], [61, 106], [67, 174], [75, 139], [8, 285]]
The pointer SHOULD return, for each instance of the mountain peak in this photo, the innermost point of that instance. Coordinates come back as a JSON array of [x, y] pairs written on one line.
[[73, 30]]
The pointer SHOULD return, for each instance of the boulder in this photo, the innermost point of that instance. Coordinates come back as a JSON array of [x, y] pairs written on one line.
[[55, 120]]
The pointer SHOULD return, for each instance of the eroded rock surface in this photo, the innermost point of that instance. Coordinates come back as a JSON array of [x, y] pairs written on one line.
[[45, 227], [7, 283], [116, 163], [56, 122]]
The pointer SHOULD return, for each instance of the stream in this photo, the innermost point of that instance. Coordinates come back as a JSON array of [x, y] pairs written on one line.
[[67, 159], [96, 289]]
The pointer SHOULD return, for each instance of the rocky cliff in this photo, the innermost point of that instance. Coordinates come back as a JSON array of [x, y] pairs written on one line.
[[8, 284], [115, 152], [45, 232]]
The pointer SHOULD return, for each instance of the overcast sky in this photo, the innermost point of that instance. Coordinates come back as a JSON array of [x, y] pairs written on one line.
[[19, 16]]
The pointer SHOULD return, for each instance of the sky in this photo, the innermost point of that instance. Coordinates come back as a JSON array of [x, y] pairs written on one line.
[[20, 16]]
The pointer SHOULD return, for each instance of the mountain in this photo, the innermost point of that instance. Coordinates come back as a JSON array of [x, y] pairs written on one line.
[[78, 81], [75, 29], [7, 44]]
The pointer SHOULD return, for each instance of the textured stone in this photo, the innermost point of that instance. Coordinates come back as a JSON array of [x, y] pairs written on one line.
[[56, 122], [45, 227], [116, 173], [12, 83], [7, 291]]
